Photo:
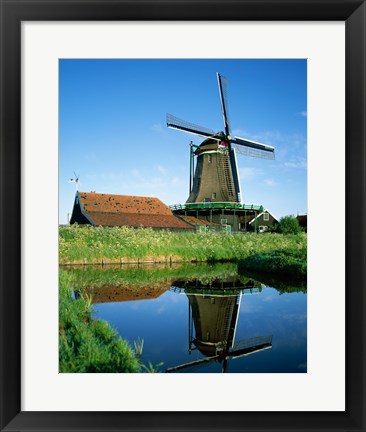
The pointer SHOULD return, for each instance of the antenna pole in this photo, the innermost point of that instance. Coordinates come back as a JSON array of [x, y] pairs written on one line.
[[189, 328], [191, 166]]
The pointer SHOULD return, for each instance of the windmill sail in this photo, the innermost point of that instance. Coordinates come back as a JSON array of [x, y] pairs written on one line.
[[235, 173], [222, 82], [256, 345], [177, 123], [253, 149], [216, 175]]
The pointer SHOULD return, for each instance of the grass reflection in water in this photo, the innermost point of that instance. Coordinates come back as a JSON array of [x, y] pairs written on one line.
[[214, 296]]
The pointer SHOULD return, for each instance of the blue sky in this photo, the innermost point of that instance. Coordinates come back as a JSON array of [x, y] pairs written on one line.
[[113, 134]]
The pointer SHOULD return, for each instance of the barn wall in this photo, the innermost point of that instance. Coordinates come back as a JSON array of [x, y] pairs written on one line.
[[262, 222], [77, 215]]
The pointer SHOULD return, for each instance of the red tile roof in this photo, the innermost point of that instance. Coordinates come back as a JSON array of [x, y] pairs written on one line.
[[109, 203], [135, 211], [120, 293]]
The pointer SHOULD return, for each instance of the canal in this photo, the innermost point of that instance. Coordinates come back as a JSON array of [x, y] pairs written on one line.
[[201, 318]]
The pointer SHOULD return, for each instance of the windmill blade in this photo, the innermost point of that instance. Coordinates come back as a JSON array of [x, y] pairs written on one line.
[[235, 172], [253, 152], [243, 348], [253, 149], [250, 346], [249, 351], [204, 360], [177, 123], [222, 82], [252, 342]]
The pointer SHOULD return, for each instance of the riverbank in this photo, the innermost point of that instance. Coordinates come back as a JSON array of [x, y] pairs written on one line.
[[121, 245], [86, 344], [90, 345]]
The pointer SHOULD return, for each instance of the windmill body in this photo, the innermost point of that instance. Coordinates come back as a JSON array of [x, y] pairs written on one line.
[[216, 177], [212, 323]]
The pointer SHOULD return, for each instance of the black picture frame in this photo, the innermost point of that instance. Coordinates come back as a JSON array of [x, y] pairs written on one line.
[[13, 12]]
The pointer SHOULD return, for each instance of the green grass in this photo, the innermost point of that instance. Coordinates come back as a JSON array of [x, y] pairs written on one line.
[[79, 243], [86, 344], [96, 276], [281, 263], [85, 279], [89, 345]]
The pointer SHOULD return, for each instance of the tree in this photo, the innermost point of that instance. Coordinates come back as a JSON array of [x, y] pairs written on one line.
[[289, 225]]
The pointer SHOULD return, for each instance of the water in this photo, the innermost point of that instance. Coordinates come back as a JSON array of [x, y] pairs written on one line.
[[204, 318]]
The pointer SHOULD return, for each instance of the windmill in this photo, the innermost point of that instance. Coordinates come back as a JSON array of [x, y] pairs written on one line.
[[216, 177], [75, 180], [215, 318]]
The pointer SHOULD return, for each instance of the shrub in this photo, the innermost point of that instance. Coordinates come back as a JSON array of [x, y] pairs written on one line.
[[289, 225]]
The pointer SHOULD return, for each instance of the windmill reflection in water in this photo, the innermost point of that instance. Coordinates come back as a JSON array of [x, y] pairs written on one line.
[[213, 313]]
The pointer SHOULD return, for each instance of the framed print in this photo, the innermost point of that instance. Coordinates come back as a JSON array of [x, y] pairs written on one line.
[[321, 384]]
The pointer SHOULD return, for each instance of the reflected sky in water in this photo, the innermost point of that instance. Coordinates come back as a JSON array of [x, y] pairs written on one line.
[[181, 325]]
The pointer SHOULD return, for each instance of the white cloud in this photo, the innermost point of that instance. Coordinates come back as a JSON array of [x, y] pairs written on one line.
[[161, 310], [157, 128], [300, 163], [135, 173], [160, 183], [90, 156], [249, 173], [270, 182], [161, 169], [288, 147], [267, 137]]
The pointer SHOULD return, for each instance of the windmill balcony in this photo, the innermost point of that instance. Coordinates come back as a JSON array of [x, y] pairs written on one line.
[[216, 205]]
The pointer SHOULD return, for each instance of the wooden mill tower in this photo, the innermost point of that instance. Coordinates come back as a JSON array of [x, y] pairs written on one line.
[[214, 176]]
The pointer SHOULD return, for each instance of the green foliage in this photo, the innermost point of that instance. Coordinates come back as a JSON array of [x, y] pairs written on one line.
[[138, 347], [77, 243], [87, 345], [145, 276], [90, 345], [150, 368], [280, 263], [289, 225]]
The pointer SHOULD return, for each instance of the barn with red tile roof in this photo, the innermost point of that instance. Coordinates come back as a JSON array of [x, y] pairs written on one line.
[[124, 210]]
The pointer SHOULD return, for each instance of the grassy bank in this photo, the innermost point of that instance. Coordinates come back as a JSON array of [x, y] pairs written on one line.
[[282, 263], [86, 344], [100, 244], [89, 345]]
